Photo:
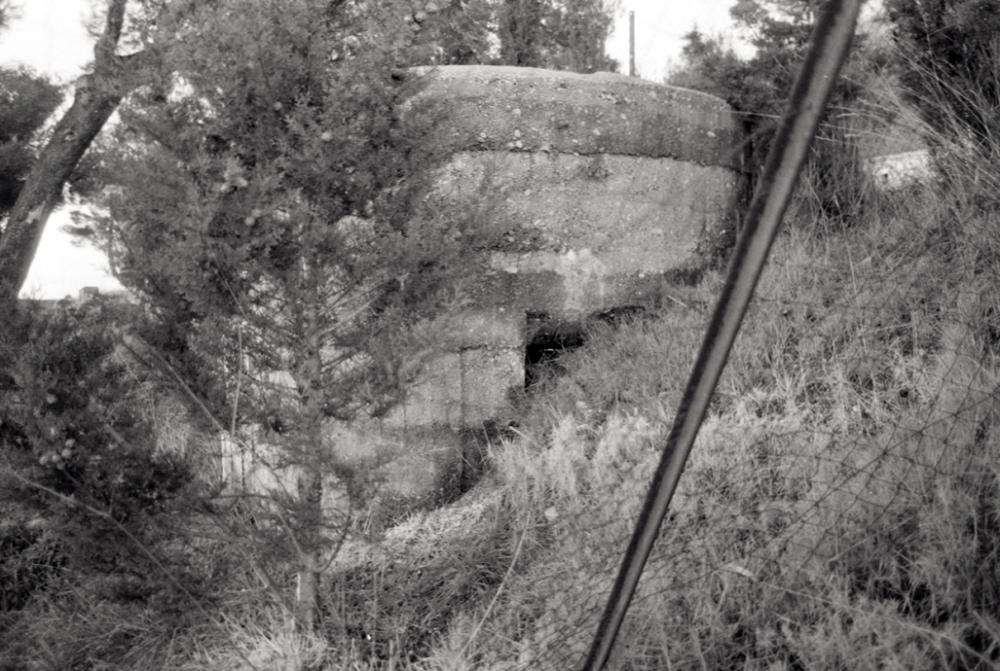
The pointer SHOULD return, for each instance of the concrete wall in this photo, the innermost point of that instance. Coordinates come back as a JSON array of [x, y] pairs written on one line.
[[615, 185], [611, 187]]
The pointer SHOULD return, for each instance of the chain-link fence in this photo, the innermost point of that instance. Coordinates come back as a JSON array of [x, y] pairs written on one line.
[[840, 509]]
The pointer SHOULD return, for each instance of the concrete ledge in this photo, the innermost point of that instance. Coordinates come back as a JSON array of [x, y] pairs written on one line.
[[489, 326], [488, 375], [575, 296], [529, 109]]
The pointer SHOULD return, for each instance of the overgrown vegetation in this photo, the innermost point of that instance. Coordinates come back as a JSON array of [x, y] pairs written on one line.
[[948, 66], [95, 517], [26, 101], [844, 455], [840, 509], [266, 197], [757, 86]]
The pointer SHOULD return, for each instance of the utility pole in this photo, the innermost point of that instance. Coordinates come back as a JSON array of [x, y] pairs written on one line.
[[631, 43]]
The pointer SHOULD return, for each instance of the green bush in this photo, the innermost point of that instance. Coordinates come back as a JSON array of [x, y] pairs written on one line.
[[90, 505]]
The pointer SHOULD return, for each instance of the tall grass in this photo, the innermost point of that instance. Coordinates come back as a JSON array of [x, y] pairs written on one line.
[[841, 507]]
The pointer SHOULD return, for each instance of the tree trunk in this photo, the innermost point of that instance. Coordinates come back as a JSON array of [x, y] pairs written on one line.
[[307, 573], [97, 96], [44, 185], [309, 374]]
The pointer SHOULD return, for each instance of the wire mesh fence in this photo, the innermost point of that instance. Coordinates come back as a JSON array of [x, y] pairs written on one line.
[[839, 510]]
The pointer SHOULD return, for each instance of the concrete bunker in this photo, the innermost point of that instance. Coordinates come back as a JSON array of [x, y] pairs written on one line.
[[548, 338], [617, 188], [545, 341]]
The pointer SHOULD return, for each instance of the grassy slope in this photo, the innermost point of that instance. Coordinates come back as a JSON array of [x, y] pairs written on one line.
[[840, 509]]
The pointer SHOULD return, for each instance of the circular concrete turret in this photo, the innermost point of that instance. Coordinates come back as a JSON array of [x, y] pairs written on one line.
[[599, 189], [609, 184]]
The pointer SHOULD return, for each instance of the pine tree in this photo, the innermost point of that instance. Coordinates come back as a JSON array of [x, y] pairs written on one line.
[[275, 204], [552, 34], [26, 101]]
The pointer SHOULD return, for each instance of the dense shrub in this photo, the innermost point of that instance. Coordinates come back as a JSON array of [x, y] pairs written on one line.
[[90, 505], [947, 58], [838, 510], [757, 87]]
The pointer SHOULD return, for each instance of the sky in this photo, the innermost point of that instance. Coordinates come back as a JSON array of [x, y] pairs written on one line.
[[51, 37], [660, 26]]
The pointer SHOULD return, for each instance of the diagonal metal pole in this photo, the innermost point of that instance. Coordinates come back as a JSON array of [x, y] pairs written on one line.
[[831, 42]]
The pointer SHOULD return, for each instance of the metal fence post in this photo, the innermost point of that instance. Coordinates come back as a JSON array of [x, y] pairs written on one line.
[[830, 44]]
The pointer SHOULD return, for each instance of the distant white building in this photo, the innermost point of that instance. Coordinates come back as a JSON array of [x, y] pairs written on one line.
[[895, 171]]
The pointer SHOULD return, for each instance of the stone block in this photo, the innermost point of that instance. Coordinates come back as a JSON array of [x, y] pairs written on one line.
[[488, 375], [484, 326], [435, 398]]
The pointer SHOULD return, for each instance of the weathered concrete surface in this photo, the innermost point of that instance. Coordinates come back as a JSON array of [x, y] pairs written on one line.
[[489, 374], [484, 326], [435, 398], [896, 171], [529, 109], [416, 464], [415, 453], [600, 190], [595, 227], [482, 359], [647, 211]]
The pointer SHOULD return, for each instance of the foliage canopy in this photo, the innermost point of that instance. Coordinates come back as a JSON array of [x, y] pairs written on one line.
[[26, 102], [947, 63]]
